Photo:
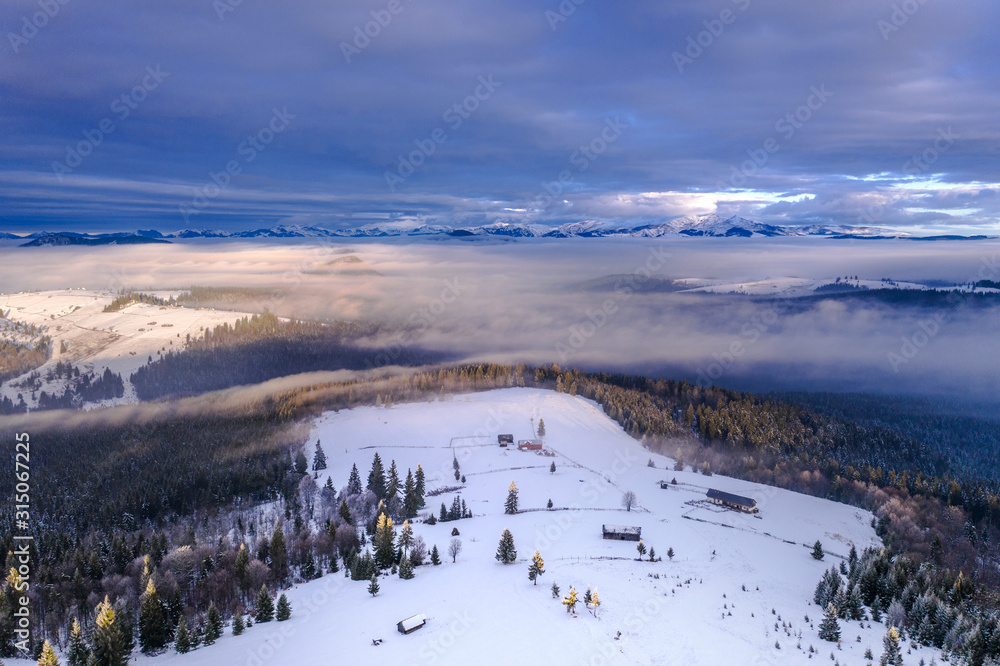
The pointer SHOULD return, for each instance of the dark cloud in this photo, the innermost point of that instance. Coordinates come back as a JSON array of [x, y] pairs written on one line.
[[895, 79]]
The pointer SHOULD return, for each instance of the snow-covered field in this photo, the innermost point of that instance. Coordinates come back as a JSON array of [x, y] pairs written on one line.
[[692, 610], [95, 340]]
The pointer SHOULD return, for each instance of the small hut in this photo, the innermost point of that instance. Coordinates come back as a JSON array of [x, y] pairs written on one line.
[[731, 501], [621, 532], [504, 440], [411, 624]]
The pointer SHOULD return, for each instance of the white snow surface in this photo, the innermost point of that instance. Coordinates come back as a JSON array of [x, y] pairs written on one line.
[[482, 612]]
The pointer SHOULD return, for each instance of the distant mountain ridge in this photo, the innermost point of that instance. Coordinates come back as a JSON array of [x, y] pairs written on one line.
[[706, 226]]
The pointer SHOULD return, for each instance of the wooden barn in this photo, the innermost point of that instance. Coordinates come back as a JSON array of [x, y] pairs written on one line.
[[731, 501], [529, 445], [411, 624], [621, 532], [504, 440]]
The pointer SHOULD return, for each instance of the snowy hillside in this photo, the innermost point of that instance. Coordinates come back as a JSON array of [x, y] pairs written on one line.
[[691, 610]]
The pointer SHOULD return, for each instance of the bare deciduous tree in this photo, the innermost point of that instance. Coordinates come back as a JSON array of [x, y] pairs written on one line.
[[454, 548], [628, 500]]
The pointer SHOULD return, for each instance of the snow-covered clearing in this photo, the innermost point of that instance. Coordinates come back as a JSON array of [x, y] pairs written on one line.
[[692, 610]]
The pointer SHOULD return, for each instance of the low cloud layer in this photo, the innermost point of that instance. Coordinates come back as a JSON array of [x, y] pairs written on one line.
[[536, 302]]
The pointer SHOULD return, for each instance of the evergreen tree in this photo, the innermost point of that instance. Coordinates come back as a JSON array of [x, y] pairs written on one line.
[[354, 484], [405, 537], [536, 568], [183, 639], [435, 556], [570, 601], [319, 458], [411, 501], [541, 427], [829, 628], [213, 624], [373, 586], [670, 554], [891, 655], [506, 553], [510, 506], [652, 554], [301, 464], [419, 486], [264, 608], [392, 485], [48, 656], [242, 566], [308, 568], [552, 467], [817, 551], [376, 478], [238, 624], [284, 609], [78, 652], [385, 538], [112, 641], [555, 590], [588, 596], [641, 548], [345, 512], [152, 621], [405, 568], [279, 555]]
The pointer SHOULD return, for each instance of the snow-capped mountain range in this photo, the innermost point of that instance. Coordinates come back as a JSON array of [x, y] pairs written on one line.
[[711, 225]]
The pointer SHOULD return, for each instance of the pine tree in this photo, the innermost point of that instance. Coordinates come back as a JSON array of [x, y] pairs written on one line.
[[411, 501], [392, 487], [541, 427], [555, 590], [570, 601], [152, 621], [405, 536], [284, 609], [506, 553], [588, 596], [385, 538], [652, 554], [301, 464], [112, 642], [641, 548], [552, 467], [510, 506], [78, 653], [319, 458], [419, 486], [213, 624], [829, 628], [670, 554], [48, 656], [354, 484], [264, 608], [308, 568], [345, 512], [238, 624], [373, 586], [242, 566], [536, 568], [435, 556], [376, 478], [183, 638], [891, 655], [405, 568], [279, 555], [817, 551]]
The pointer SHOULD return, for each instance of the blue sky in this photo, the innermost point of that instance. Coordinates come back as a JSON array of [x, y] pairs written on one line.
[[239, 113]]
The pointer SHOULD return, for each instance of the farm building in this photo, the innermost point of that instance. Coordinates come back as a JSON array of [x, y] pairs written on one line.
[[529, 445], [731, 501], [504, 440], [411, 624], [621, 532]]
